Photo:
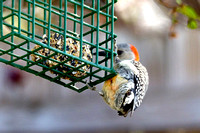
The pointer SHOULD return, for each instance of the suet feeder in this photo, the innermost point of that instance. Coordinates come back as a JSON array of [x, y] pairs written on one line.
[[24, 22]]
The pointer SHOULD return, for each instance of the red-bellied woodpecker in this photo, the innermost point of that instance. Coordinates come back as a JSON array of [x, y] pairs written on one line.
[[125, 91]]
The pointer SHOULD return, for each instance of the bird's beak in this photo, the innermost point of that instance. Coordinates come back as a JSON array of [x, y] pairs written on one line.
[[103, 53]]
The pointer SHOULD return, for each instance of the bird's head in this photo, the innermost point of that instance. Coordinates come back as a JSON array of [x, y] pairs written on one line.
[[127, 51], [124, 51]]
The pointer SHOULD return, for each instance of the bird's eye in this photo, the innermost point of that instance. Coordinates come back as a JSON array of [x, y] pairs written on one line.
[[119, 52]]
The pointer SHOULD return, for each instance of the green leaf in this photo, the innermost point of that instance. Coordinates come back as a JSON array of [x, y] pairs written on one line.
[[188, 11], [179, 2], [192, 24]]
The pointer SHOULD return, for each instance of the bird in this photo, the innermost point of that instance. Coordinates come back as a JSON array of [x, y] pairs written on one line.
[[125, 91], [72, 48]]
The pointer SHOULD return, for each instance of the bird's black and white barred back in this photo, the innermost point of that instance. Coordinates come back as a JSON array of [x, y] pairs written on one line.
[[141, 83]]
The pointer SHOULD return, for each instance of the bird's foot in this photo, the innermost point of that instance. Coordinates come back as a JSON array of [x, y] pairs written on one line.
[[93, 88]]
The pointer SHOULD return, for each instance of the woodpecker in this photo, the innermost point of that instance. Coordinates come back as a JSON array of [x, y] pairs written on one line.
[[72, 47], [125, 91]]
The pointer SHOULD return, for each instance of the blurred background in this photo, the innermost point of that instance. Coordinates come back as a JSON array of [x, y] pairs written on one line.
[[172, 103]]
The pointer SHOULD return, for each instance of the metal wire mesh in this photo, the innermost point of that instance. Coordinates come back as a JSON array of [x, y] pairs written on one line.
[[70, 18]]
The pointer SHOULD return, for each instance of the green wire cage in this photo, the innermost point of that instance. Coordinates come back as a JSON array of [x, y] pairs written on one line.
[[23, 23]]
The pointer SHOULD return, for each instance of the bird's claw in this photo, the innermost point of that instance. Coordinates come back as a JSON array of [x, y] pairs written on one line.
[[101, 93], [90, 87]]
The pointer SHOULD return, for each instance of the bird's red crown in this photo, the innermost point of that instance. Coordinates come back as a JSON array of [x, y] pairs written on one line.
[[135, 52]]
